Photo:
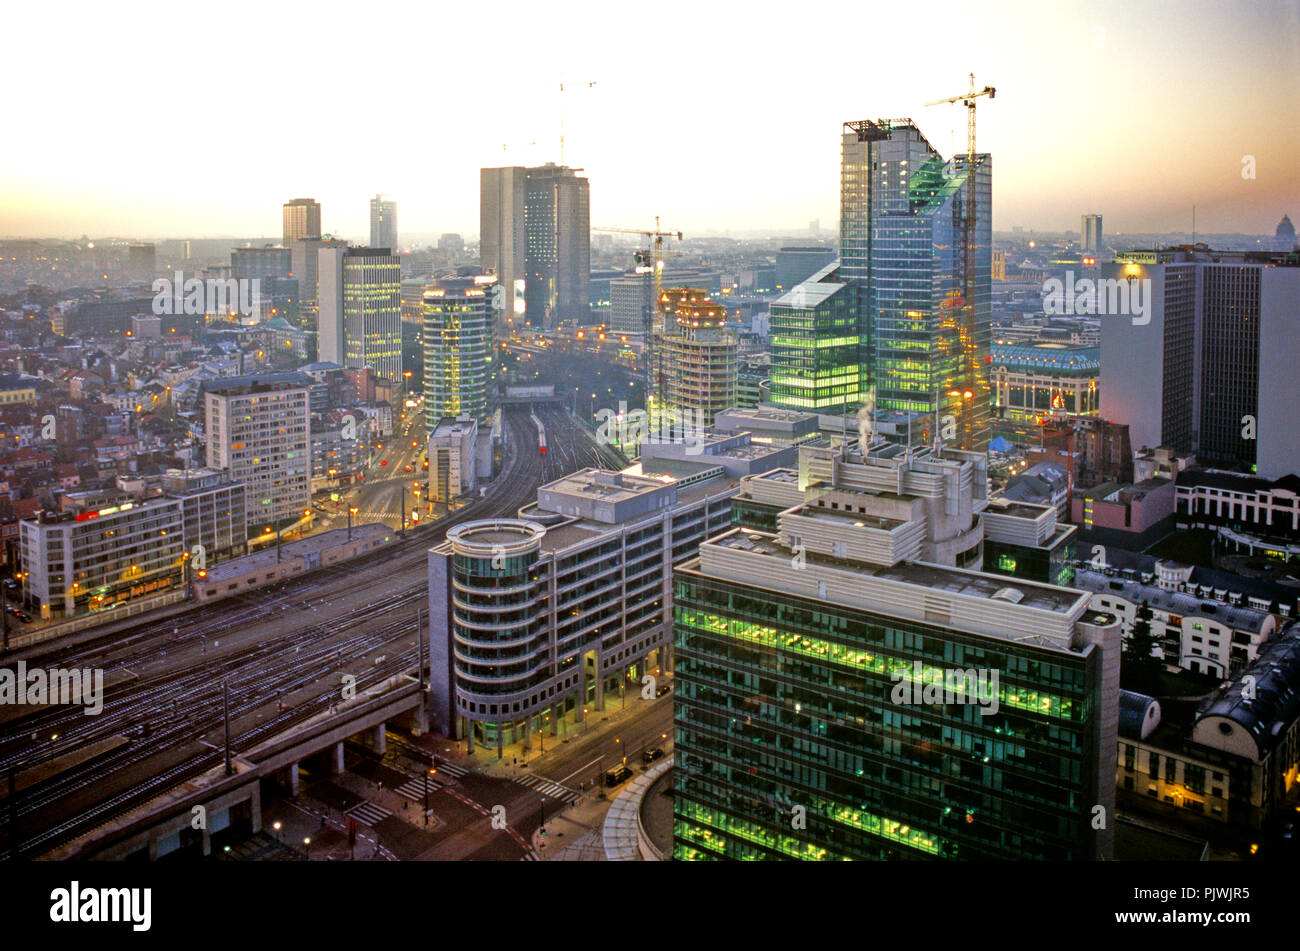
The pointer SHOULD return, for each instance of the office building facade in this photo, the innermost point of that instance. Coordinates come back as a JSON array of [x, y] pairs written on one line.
[[846, 691], [459, 358], [383, 223], [360, 315], [534, 621], [535, 228], [503, 237], [96, 558], [1090, 234], [1207, 367], [696, 362], [301, 220]]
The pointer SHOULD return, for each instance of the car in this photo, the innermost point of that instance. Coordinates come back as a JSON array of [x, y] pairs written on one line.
[[652, 754], [410, 468], [663, 689], [1288, 830], [617, 776]]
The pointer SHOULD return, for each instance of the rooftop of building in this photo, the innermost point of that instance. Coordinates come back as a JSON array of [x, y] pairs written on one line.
[[1177, 602], [312, 544], [1236, 481], [1061, 356], [815, 290], [1272, 701], [258, 382], [922, 575]]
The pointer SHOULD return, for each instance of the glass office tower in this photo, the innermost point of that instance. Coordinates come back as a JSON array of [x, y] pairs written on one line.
[[817, 346], [903, 263], [903, 243], [372, 310], [808, 723], [459, 359]]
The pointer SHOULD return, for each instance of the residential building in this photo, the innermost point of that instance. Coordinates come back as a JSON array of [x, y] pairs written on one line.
[[452, 450], [258, 430], [1191, 632]]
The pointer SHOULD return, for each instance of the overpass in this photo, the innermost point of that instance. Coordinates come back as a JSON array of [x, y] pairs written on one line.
[[167, 823]]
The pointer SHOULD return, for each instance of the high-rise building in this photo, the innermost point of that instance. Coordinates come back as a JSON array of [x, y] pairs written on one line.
[[304, 259], [534, 622], [818, 350], [852, 686], [1090, 234], [459, 358], [258, 431], [1198, 354], [301, 220], [247, 264], [558, 259], [794, 265], [696, 362], [535, 227], [903, 246], [893, 314], [383, 223], [631, 302], [360, 319], [503, 238]]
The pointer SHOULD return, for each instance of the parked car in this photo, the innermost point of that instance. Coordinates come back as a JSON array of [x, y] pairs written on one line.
[[663, 689], [652, 754]]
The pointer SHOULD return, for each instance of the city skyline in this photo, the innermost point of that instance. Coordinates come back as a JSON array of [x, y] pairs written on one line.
[[1067, 142]]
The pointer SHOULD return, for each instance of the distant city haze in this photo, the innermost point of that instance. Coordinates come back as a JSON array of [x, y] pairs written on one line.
[[156, 120]]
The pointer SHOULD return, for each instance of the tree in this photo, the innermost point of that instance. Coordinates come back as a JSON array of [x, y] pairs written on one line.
[[1140, 661]]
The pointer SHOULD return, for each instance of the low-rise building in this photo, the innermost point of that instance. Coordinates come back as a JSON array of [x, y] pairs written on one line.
[[1191, 632]]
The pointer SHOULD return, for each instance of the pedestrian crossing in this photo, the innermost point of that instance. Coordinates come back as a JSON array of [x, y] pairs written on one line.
[[552, 789], [371, 813], [413, 788]]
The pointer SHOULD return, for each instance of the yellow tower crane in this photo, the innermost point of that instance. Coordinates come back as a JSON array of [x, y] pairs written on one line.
[[973, 402]]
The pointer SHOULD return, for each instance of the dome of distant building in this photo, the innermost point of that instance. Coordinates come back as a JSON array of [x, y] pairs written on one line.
[[1285, 234]]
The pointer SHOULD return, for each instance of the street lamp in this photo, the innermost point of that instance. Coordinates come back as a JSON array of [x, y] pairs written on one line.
[[276, 827], [352, 510], [306, 845]]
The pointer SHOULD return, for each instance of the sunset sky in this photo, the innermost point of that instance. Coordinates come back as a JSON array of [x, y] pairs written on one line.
[[149, 120]]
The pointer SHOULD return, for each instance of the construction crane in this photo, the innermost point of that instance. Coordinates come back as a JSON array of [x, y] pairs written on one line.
[[564, 86], [653, 255], [969, 399]]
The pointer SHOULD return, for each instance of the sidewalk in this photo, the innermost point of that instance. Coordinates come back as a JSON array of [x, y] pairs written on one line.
[[596, 722]]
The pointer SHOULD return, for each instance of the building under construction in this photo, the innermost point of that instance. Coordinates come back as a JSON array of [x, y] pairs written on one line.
[[696, 357]]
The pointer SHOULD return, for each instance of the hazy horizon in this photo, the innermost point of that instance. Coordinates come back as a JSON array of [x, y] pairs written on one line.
[[699, 115]]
